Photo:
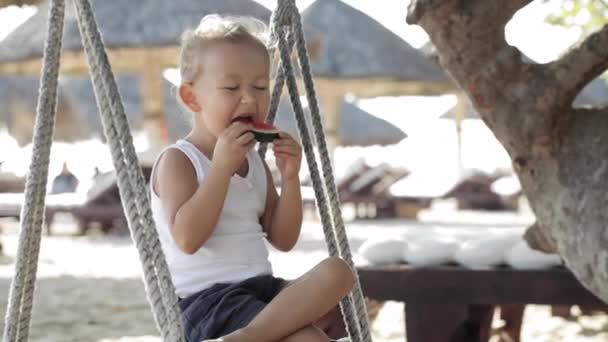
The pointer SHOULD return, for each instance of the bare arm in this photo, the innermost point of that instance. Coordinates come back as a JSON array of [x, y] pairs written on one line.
[[193, 210], [191, 222], [282, 220], [283, 216]]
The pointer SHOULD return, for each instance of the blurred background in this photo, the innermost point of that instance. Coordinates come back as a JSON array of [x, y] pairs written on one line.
[[408, 149]]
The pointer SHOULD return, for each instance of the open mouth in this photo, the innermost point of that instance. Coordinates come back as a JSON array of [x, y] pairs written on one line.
[[248, 119]]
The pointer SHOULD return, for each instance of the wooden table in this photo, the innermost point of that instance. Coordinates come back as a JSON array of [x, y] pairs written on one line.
[[453, 304]]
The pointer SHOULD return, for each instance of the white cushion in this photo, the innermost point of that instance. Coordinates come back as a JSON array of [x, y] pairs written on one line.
[[521, 256], [431, 250], [383, 251], [485, 252]]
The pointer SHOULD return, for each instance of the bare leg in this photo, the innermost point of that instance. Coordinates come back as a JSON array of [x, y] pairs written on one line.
[[307, 334], [300, 304]]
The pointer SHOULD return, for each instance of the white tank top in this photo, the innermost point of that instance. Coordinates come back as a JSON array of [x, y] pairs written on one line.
[[236, 249]]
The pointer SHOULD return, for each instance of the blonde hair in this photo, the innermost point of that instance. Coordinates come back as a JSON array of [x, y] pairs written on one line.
[[217, 28]]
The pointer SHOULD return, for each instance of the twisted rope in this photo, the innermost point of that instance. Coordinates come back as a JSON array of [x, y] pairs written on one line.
[[279, 81], [346, 304], [330, 184], [131, 183], [21, 294], [287, 17]]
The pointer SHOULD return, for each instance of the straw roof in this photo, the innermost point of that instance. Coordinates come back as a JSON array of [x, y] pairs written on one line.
[[79, 92], [133, 25], [594, 94], [356, 127], [18, 100], [6, 3], [348, 45], [178, 121], [77, 114]]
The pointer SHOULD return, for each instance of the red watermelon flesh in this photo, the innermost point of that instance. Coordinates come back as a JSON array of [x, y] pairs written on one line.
[[264, 132], [263, 126]]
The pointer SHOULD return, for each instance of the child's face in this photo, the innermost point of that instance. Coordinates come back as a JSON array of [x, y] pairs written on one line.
[[233, 82]]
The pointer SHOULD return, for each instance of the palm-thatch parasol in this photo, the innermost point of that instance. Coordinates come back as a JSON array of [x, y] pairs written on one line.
[[6, 3], [18, 97], [594, 94], [353, 53], [77, 113], [356, 127], [140, 35], [79, 92]]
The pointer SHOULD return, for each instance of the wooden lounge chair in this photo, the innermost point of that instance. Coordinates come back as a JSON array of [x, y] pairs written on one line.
[[101, 205], [453, 304]]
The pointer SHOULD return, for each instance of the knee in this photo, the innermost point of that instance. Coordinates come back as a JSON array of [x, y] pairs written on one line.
[[307, 334], [338, 273]]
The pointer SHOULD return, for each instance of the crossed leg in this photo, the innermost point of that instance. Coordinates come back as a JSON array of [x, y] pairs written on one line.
[[291, 315]]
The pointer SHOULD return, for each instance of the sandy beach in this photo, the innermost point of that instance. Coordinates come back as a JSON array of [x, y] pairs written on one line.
[[90, 287]]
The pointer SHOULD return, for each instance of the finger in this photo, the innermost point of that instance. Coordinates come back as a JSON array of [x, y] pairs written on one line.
[[246, 138], [250, 145], [286, 138], [237, 129], [286, 142], [285, 135], [287, 149], [285, 155]]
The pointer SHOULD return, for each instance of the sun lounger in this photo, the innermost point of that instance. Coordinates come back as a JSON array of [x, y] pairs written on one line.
[[100, 205]]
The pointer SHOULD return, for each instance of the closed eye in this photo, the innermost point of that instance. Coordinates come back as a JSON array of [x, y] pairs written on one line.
[[261, 88], [231, 88]]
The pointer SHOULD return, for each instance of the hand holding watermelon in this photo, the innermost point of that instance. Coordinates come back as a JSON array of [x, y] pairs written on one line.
[[288, 156]]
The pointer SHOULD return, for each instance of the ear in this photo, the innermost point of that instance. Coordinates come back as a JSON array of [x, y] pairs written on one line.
[[186, 93]]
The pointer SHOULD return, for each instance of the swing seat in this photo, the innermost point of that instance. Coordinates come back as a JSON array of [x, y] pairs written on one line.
[[134, 194]]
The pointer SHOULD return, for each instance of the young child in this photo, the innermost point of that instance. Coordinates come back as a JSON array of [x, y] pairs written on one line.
[[214, 202]]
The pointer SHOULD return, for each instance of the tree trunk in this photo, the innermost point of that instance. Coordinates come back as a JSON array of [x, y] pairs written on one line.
[[558, 152]]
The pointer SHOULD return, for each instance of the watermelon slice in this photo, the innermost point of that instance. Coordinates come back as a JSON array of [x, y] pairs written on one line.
[[264, 132]]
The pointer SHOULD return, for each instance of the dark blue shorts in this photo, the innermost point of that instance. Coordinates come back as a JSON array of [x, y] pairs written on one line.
[[224, 308]]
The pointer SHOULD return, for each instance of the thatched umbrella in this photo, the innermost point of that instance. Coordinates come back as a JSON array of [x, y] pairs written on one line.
[[140, 36], [356, 127], [79, 92], [6, 3], [353, 53], [179, 122], [18, 97], [594, 94], [77, 113]]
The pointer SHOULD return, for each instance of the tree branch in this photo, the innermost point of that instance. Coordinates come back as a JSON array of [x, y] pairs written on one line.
[[539, 239], [581, 64], [418, 8]]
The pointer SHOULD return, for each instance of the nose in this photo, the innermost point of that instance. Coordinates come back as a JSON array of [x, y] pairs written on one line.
[[248, 97]]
